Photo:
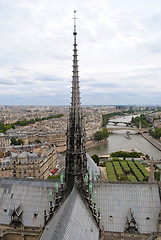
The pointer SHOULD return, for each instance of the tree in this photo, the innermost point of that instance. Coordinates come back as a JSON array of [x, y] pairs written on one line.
[[157, 176], [126, 154], [100, 135], [156, 133], [16, 142], [144, 121], [95, 158], [13, 141], [147, 156], [19, 142]]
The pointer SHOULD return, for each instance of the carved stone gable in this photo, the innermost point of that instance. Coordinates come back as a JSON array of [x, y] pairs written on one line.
[[16, 217], [131, 225]]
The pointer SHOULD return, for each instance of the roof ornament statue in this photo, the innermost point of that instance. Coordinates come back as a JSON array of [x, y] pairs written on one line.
[[56, 187], [90, 188], [50, 196], [93, 175], [86, 179], [99, 210], [61, 178]]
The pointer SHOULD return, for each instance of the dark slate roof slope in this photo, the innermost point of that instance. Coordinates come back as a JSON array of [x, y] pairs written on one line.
[[29, 196], [116, 199], [73, 221]]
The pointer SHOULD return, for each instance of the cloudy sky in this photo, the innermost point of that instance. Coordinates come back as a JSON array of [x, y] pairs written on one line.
[[119, 47]]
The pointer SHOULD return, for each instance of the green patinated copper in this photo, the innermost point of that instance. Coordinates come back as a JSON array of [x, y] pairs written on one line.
[[63, 172], [86, 179], [50, 196], [99, 210], [90, 188], [93, 175], [56, 187], [97, 177], [61, 178]]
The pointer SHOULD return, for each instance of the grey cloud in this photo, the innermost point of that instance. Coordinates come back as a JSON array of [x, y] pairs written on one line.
[[17, 68], [138, 86], [6, 82], [47, 78], [142, 76], [36, 48], [105, 85]]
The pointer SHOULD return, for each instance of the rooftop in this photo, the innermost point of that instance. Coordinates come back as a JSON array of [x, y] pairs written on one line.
[[116, 199], [73, 221]]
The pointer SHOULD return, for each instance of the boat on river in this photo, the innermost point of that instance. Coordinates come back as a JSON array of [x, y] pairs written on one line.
[[127, 135]]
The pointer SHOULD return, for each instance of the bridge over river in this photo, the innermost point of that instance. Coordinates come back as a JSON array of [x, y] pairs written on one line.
[[117, 141], [116, 128], [135, 130], [115, 123]]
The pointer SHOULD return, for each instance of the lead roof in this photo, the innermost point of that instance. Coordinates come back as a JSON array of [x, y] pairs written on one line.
[[73, 221], [116, 199], [29, 196]]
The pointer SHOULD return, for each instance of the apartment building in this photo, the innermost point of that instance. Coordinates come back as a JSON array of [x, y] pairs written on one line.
[[28, 161]]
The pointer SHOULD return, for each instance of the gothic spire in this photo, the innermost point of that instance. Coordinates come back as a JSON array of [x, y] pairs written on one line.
[[76, 161], [75, 104]]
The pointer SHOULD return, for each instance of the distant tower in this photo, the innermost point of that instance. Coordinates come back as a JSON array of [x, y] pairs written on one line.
[[76, 160], [140, 128]]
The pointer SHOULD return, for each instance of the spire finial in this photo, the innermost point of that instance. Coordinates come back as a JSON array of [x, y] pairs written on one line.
[[75, 32]]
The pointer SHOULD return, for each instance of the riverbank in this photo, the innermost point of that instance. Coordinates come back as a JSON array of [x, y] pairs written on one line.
[[156, 143], [89, 144], [117, 142], [94, 143]]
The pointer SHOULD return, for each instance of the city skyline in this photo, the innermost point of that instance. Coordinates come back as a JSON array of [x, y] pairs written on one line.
[[119, 52]]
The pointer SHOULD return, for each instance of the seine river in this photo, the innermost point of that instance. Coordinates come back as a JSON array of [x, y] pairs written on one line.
[[117, 142]]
